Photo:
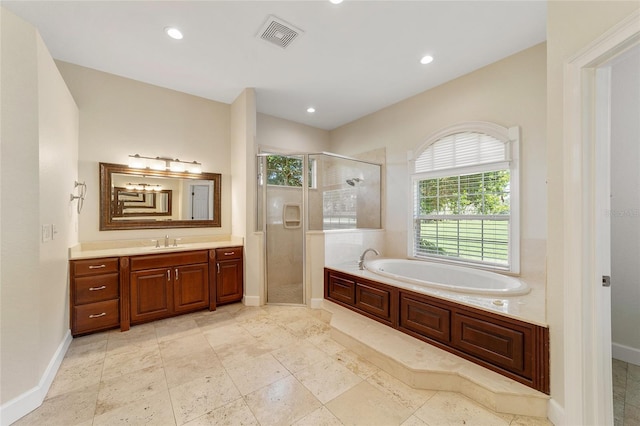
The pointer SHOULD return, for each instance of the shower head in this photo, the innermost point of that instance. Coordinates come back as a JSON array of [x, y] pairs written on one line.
[[353, 181]]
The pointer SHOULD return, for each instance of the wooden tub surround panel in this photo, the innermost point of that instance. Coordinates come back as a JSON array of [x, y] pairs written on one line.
[[514, 348]]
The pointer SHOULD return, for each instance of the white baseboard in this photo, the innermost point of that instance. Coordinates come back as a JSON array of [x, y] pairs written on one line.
[[555, 412], [316, 303], [251, 300], [23, 404], [625, 353]]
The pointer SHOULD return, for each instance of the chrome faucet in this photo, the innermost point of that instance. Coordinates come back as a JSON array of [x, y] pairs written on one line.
[[361, 260], [166, 240]]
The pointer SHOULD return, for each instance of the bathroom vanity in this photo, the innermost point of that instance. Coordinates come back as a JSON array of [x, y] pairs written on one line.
[[142, 285]]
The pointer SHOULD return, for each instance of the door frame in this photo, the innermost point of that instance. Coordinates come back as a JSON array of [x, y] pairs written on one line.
[[587, 315]]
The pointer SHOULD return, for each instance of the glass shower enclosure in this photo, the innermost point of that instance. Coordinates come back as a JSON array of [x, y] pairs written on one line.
[[300, 192]]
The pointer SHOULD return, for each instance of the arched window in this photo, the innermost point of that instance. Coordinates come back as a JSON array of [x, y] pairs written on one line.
[[465, 196]]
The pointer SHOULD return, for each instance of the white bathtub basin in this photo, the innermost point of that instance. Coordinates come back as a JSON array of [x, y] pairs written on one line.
[[448, 277]]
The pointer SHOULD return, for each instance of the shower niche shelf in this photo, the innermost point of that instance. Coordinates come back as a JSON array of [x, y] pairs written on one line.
[[291, 215]]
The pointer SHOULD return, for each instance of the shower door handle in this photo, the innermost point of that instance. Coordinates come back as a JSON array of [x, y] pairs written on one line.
[[606, 281]]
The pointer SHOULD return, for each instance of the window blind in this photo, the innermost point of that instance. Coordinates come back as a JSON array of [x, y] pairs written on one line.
[[459, 150]]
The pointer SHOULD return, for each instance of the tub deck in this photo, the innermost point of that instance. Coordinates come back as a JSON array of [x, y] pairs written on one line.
[[427, 367]]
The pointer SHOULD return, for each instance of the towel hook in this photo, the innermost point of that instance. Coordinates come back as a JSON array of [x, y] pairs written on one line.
[[82, 192]]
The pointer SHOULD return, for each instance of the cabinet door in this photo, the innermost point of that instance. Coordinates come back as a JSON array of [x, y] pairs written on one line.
[[341, 289], [151, 296], [375, 301], [229, 281], [190, 287], [418, 315]]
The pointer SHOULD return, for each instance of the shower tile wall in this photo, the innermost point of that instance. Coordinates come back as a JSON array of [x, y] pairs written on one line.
[[347, 246], [346, 196]]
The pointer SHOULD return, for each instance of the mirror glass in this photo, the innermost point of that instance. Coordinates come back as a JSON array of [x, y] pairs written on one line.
[[142, 198]]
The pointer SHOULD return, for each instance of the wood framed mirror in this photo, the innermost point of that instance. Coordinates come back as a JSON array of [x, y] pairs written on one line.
[[152, 199]]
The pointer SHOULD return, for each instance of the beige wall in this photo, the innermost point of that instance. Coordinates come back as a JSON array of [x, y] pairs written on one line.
[[281, 134], [571, 26], [509, 92], [38, 167], [120, 117]]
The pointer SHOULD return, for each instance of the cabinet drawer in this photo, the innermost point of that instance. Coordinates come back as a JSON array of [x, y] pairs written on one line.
[[228, 253], [96, 288], [95, 266], [168, 260], [96, 316]]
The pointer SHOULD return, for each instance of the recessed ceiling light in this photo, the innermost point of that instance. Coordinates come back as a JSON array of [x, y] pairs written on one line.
[[311, 110], [173, 33], [426, 60], [336, 1]]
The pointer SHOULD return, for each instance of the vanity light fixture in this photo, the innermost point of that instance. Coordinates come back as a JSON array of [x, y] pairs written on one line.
[[143, 187], [158, 163]]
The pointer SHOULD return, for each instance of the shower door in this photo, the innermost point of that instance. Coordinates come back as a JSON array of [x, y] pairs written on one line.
[[283, 178]]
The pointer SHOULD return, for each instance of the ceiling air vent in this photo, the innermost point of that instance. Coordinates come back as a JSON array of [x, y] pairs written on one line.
[[279, 32]]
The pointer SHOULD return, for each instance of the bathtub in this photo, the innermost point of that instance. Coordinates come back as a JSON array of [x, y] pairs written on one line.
[[448, 277]]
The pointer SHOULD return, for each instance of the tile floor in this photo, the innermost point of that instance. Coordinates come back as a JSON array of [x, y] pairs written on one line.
[[626, 394], [272, 365]]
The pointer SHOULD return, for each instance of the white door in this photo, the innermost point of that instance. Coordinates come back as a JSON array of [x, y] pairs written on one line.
[[200, 202]]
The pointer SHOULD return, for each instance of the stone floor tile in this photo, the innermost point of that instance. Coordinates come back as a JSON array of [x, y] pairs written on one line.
[[282, 402]]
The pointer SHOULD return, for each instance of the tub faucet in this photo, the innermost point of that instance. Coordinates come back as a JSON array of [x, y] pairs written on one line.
[[361, 260], [166, 240]]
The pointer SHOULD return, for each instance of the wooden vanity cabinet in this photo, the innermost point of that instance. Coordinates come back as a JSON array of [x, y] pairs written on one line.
[[227, 279], [95, 295], [164, 285]]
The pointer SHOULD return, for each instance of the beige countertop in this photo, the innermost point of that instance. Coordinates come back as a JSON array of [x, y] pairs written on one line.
[[116, 248]]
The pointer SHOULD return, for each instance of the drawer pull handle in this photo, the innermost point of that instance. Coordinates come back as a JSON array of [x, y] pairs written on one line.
[[229, 253], [218, 265], [102, 287], [168, 274], [176, 274], [98, 315], [97, 266]]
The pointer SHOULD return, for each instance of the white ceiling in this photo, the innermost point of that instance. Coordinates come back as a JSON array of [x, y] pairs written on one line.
[[353, 59]]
